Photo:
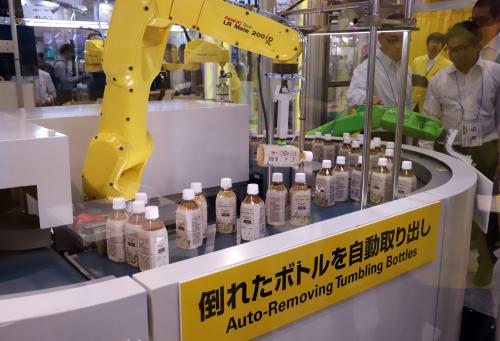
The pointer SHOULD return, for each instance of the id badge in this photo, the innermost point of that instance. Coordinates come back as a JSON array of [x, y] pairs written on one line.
[[471, 134]]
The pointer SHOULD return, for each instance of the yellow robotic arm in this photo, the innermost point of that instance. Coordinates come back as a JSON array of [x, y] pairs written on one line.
[[133, 54]]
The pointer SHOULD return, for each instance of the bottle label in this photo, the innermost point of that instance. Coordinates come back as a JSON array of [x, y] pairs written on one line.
[[153, 249], [132, 244], [341, 186], [380, 187], [188, 228], [317, 150], [356, 185], [406, 185], [225, 214], [323, 194], [329, 152], [276, 207], [116, 251], [115, 230], [281, 156], [253, 221], [300, 207], [352, 161], [373, 161], [202, 204]]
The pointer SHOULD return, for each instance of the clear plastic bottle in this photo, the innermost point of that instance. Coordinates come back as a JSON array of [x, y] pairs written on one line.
[[324, 191], [276, 200], [132, 230], [345, 148], [352, 157], [380, 184], [225, 207], [153, 241], [389, 155], [201, 201], [373, 156], [252, 215], [281, 156], [356, 178], [115, 231], [407, 182], [329, 148], [300, 201], [317, 147], [341, 180], [378, 146], [253, 145], [188, 222]]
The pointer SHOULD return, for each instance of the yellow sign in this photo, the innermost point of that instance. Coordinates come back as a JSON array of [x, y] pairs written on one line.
[[254, 298]]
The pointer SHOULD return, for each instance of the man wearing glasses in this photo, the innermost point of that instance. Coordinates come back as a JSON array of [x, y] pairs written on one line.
[[486, 14], [474, 84]]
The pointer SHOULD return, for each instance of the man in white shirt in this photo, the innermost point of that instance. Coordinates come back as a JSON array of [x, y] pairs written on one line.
[[486, 14], [45, 92], [475, 83], [387, 74]]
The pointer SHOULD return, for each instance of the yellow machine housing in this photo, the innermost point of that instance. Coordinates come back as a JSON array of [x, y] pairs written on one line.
[[133, 55]]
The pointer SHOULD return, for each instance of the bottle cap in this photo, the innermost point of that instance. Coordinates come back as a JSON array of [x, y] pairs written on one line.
[[141, 196], [347, 139], [389, 152], [297, 133], [317, 134], [355, 144], [226, 183], [382, 162], [253, 132], [340, 160], [196, 187], [309, 136], [326, 164], [407, 165], [277, 177], [328, 137], [389, 145], [361, 137], [308, 155], [138, 207], [253, 189], [377, 139], [152, 212], [187, 194], [346, 135], [360, 160], [119, 204], [372, 145], [300, 178]]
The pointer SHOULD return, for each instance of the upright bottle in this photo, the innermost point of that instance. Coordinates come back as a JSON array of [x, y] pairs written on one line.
[[378, 146], [300, 201], [200, 200], [323, 193], [225, 207], [329, 148], [153, 241], [276, 200], [380, 185], [389, 155], [308, 142], [341, 180], [389, 145], [115, 231], [356, 177], [254, 143], [317, 147], [281, 156], [132, 230], [345, 148], [252, 215], [352, 157], [407, 182], [373, 156], [361, 139], [188, 222]]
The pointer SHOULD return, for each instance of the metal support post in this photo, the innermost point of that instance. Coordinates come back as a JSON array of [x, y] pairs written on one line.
[[17, 59], [370, 84]]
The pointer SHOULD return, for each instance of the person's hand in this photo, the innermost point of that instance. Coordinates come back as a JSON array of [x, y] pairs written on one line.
[[376, 101]]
